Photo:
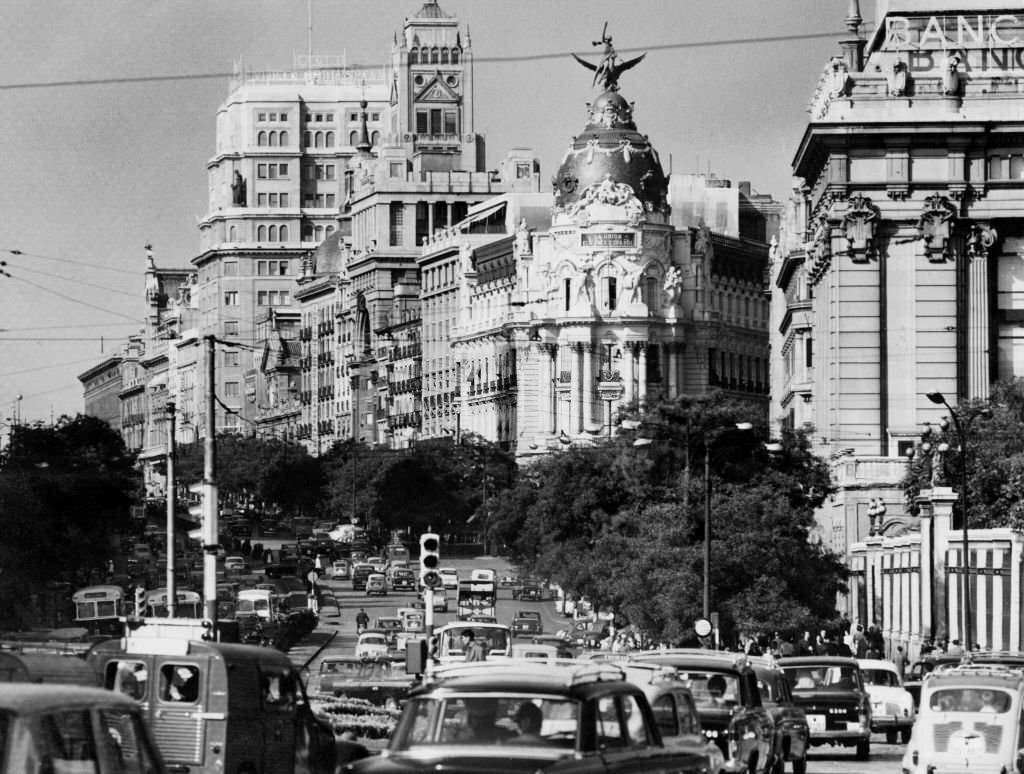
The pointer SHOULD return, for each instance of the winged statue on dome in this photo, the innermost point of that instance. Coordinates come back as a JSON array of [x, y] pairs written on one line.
[[608, 70]]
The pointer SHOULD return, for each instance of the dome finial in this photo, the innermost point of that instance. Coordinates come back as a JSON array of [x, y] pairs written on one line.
[[853, 17], [610, 68]]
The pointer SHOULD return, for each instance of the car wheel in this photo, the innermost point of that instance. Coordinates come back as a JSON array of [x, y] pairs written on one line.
[[864, 750], [800, 765], [905, 735], [890, 736]]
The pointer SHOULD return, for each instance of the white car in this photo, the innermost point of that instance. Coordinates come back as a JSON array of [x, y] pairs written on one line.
[[372, 645], [235, 564], [449, 577], [892, 705], [340, 570]]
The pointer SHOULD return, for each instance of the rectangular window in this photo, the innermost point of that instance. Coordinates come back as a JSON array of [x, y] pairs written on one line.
[[809, 354], [375, 116], [230, 298], [328, 116], [566, 290], [282, 170], [522, 171], [262, 298], [450, 122], [396, 168], [231, 389], [330, 200], [231, 359], [230, 268], [309, 171], [261, 200], [273, 200], [329, 172], [422, 122], [435, 121], [610, 292], [284, 200], [282, 268], [261, 171], [261, 116], [282, 117], [308, 201], [396, 221], [353, 116], [319, 116], [231, 328]]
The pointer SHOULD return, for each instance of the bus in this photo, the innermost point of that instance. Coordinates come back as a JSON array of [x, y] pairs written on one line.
[[188, 604], [397, 553], [98, 609], [477, 598]]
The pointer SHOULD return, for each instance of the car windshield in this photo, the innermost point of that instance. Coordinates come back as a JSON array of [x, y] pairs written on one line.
[[362, 671], [969, 700], [712, 690], [489, 719], [372, 639], [822, 678], [493, 638], [881, 677]]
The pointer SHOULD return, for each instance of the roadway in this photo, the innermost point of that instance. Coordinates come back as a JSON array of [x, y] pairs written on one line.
[[338, 630]]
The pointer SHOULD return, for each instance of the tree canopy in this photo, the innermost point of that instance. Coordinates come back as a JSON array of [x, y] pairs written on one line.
[[622, 523]]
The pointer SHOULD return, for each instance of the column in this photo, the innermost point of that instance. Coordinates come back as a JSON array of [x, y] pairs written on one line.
[[672, 366], [627, 372], [587, 386], [576, 391], [977, 326], [641, 376]]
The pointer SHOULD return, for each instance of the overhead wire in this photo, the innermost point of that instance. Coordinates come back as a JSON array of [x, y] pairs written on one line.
[[76, 262]]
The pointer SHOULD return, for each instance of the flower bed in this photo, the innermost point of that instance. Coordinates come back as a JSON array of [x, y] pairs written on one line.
[[362, 718]]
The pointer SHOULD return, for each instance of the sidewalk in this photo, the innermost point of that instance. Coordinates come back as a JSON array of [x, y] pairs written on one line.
[[329, 626]]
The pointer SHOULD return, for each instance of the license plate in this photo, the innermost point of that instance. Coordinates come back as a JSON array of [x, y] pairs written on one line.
[[816, 723]]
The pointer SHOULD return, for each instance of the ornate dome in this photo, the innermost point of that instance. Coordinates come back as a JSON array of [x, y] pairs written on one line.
[[611, 153]]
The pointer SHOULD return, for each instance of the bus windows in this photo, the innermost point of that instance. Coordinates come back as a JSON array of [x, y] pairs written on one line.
[[179, 683], [127, 677]]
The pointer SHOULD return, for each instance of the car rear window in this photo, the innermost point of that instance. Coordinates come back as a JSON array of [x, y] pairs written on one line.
[[970, 700]]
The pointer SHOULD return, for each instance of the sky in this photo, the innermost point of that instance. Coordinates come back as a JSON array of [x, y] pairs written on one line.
[[108, 112]]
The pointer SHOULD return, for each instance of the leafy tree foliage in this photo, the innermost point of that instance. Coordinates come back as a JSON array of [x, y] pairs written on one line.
[[622, 523], [64, 491]]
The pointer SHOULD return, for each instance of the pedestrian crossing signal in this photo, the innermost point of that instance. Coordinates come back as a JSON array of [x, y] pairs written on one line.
[[430, 560]]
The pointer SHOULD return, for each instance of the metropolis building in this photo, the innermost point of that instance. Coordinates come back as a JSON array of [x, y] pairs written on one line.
[[899, 270]]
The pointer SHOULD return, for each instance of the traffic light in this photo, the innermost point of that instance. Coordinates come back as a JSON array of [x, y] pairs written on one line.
[[140, 600], [430, 560]]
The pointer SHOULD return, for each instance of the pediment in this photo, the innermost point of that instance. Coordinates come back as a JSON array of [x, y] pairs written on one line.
[[436, 90]]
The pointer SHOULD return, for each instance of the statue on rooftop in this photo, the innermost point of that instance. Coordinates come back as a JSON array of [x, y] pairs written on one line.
[[608, 70]]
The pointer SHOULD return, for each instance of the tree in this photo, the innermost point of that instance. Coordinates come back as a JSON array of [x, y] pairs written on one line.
[[65, 491], [623, 524]]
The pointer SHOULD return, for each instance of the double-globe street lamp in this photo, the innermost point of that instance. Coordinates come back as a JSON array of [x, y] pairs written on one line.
[[962, 430]]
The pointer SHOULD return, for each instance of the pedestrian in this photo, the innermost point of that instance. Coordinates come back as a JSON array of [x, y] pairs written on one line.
[[860, 642], [362, 620], [472, 647], [955, 649], [900, 659]]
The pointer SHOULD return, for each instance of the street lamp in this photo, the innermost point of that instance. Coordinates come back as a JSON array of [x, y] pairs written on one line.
[[965, 588]]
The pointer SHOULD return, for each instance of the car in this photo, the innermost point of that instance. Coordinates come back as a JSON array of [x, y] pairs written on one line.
[[508, 581], [236, 564], [921, 668], [674, 710], [65, 728], [340, 570], [391, 625], [381, 681], [360, 572], [403, 579], [449, 577], [482, 574], [725, 690], [892, 706], [530, 590], [792, 735], [526, 623], [380, 564], [524, 716], [832, 693], [968, 720], [376, 583], [440, 600], [372, 644]]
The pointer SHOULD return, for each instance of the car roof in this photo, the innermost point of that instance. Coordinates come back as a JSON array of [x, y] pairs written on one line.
[[694, 658], [569, 678], [35, 697], [791, 661], [877, 663]]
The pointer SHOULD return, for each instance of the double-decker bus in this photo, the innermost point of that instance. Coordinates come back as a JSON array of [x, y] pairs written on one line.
[[477, 598], [97, 608]]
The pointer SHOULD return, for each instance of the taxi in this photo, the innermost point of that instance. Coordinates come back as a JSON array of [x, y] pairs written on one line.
[[527, 716], [968, 721]]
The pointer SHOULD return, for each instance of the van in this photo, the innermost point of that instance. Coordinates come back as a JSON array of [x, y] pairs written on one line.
[[218, 707]]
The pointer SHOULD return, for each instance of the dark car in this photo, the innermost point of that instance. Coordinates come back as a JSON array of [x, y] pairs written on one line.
[[403, 579], [792, 736], [725, 689], [360, 572], [526, 623], [920, 669], [518, 717], [831, 691], [530, 590], [381, 681]]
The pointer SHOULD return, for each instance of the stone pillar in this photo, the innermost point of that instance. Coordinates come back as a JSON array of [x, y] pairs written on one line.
[[945, 607], [628, 357], [587, 385], [977, 327], [672, 366], [576, 392], [641, 376], [548, 391]]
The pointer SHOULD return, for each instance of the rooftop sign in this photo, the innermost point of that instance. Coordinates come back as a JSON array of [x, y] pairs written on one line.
[[982, 43]]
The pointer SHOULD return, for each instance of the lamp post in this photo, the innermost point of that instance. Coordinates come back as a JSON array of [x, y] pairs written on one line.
[[965, 587]]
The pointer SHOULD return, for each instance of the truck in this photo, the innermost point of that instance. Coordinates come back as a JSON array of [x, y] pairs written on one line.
[[477, 598]]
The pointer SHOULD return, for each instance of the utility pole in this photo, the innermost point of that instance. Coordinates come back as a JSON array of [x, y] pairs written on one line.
[[172, 596], [210, 505]]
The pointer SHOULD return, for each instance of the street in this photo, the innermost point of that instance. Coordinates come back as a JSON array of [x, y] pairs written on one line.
[[341, 617]]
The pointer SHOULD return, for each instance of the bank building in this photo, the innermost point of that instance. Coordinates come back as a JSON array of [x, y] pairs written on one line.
[[897, 294]]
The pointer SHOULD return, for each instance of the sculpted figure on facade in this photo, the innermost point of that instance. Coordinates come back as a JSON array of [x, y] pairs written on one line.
[[935, 226], [979, 240], [951, 76], [152, 281], [896, 79], [238, 190], [673, 285], [523, 238], [860, 223], [702, 238], [838, 77]]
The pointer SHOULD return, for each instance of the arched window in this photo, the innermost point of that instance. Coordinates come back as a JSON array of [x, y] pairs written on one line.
[[284, 138], [283, 236], [414, 56], [329, 139], [375, 138], [273, 139], [318, 140], [444, 56], [261, 138], [330, 230], [261, 233], [353, 138], [233, 233], [455, 56], [273, 234], [319, 233], [435, 56]]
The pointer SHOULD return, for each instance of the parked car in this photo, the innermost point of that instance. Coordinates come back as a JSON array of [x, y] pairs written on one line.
[[65, 728], [892, 706], [372, 644], [831, 691], [382, 681], [968, 721], [376, 584], [792, 735], [732, 715], [520, 717]]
